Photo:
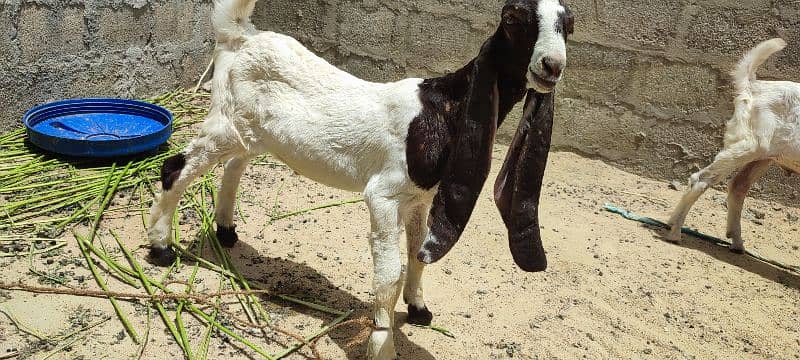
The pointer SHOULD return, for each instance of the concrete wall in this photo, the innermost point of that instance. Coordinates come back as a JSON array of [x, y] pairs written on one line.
[[53, 49], [646, 86]]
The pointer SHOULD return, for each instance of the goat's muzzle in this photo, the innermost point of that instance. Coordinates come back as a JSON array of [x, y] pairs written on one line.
[[544, 74]]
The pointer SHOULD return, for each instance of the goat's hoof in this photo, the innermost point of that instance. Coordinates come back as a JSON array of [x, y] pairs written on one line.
[[227, 236], [673, 237], [737, 251], [161, 256], [419, 316]]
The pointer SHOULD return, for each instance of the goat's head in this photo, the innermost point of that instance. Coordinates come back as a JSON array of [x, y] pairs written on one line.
[[538, 30], [532, 41]]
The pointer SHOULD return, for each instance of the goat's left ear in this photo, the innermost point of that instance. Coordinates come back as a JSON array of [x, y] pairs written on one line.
[[467, 166]]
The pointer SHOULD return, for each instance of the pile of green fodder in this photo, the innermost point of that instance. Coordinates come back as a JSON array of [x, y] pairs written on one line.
[[46, 194], [43, 197]]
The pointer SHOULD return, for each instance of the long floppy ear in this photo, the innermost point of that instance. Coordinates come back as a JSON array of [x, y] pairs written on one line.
[[519, 184], [468, 164]]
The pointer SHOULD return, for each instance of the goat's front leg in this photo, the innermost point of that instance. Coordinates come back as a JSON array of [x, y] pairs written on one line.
[[176, 174], [737, 191], [416, 230], [384, 241], [226, 200], [724, 163]]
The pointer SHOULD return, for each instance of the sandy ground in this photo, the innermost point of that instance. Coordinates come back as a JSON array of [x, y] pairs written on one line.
[[613, 289]]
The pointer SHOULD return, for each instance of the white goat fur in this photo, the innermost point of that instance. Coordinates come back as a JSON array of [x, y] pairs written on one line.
[[272, 94], [764, 128]]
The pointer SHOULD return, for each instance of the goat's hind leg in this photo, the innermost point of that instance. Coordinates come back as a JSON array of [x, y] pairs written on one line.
[[226, 200], [724, 163], [177, 174], [737, 191], [416, 230]]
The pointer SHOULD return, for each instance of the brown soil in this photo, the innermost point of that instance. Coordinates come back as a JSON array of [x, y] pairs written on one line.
[[613, 288]]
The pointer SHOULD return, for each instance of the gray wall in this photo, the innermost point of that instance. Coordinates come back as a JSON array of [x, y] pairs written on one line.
[[646, 86], [68, 48]]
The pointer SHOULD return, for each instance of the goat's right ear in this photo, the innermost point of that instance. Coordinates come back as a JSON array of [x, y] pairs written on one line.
[[467, 165], [519, 184]]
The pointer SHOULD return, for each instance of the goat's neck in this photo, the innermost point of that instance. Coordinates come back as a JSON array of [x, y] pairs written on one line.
[[444, 101], [496, 56]]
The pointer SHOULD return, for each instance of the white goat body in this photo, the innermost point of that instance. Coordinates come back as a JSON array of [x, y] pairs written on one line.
[[271, 94], [764, 129]]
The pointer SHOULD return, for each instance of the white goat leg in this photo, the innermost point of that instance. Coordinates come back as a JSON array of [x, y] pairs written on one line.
[[726, 162], [384, 241], [196, 160], [737, 191], [416, 229], [226, 199]]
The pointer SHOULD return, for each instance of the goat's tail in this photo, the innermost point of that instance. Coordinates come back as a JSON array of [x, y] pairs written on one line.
[[231, 19], [745, 71], [738, 128]]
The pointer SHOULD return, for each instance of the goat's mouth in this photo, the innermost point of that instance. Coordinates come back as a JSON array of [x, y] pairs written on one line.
[[540, 84]]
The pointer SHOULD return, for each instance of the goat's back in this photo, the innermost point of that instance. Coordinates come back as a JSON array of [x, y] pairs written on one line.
[[281, 97]]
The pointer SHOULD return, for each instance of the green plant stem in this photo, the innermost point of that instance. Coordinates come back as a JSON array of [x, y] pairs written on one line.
[[102, 283], [316, 334], [147, 287]]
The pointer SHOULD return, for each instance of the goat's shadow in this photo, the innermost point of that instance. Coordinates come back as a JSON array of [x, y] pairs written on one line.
[[742, 261], [286, 277]]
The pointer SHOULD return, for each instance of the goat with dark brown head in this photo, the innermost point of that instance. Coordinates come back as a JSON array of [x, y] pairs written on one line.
[[419, 150], [450, 142]]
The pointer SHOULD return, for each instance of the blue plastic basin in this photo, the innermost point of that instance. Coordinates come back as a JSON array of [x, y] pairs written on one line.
[[98, 127]]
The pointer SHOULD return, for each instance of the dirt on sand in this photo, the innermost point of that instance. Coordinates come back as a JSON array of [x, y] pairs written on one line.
[[613, 288]]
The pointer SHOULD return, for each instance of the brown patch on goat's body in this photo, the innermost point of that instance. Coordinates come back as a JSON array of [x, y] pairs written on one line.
[[171, 170]]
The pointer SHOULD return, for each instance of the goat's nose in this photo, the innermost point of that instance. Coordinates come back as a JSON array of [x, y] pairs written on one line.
[[552, 67]]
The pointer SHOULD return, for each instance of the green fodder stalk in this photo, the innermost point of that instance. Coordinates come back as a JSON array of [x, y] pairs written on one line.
[[41, 193]]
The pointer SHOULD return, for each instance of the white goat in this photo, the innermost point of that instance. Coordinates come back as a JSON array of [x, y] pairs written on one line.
[[410, 146], [765, 128]]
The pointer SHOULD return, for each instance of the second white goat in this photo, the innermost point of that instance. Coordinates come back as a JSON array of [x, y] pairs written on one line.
[[764, 129]]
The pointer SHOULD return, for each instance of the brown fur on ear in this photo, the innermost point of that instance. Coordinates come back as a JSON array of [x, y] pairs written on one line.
[[468, 163], [519, 183]]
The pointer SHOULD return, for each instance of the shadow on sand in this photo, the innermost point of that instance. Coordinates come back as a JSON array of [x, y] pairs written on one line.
[[744, 262], [303, 282]]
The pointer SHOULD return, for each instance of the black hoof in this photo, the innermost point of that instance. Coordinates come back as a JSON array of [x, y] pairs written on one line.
[[737, 251], [161, 256], [227, 236], [419, 316]]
